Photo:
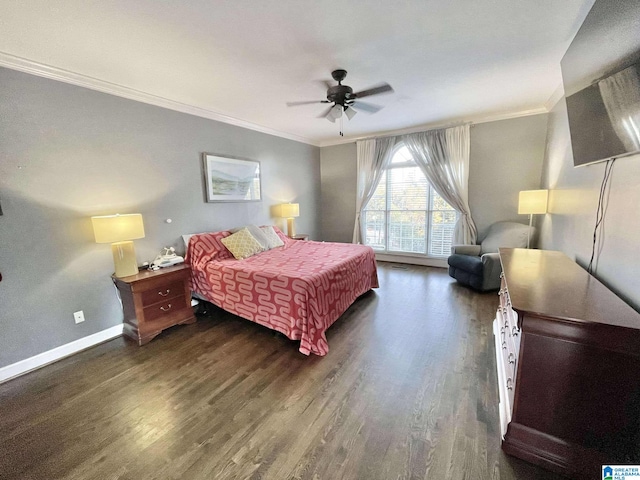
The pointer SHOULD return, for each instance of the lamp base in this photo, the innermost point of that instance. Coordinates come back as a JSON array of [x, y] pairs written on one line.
[[124, 258], [291, 228]]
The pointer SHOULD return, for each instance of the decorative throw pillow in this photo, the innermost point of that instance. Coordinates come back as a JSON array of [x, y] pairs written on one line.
[[242, 244], [257, 234], [272, 236]]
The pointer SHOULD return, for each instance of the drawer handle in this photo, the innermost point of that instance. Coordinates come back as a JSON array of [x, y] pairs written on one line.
[[514, 332], [509, 384], [512, 358], [504, 345], [165, 293], [166, 309], [501, 275]]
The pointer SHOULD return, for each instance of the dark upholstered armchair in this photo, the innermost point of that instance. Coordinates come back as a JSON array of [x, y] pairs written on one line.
[[478, 266]]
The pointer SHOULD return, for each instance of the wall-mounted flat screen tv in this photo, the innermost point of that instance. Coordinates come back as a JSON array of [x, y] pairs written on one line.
[[604, 118]]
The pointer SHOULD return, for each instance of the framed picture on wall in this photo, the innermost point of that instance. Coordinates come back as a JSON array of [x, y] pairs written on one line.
[[229, 179]]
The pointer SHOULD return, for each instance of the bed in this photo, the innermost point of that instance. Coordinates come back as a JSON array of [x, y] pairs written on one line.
[[299, 289]]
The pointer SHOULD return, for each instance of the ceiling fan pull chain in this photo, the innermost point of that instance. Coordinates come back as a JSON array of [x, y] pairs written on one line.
[[341, 132]]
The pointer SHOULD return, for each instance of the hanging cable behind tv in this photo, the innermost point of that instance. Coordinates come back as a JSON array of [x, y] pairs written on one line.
[[601, 211]]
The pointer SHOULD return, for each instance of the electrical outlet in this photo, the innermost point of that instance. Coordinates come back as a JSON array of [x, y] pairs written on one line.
[[78, 316]]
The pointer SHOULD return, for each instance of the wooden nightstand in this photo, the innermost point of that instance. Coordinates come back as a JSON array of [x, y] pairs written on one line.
[[300, 236], [155, 300]]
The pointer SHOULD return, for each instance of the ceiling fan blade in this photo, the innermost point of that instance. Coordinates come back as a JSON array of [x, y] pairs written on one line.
[[327, 84], [293, 104], [366, 107], [325, 113], [378, 89]]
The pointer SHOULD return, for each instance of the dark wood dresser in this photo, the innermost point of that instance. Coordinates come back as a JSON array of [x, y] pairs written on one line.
[[155, 300], [568, 360]]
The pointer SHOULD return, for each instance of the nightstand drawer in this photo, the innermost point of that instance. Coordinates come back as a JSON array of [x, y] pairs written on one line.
[[162, 293], [165, 308]]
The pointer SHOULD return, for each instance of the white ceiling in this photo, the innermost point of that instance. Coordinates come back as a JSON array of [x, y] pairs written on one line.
[[447, 60]]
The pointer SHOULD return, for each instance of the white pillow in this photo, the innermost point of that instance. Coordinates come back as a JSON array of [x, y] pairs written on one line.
[[242, 244], [272, 237], [185, 239], [258, 234]]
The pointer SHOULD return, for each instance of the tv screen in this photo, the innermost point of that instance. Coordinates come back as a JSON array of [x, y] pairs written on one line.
[[604, 118]]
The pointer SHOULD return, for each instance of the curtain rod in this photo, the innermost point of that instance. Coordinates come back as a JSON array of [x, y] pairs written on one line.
[[419, 130]]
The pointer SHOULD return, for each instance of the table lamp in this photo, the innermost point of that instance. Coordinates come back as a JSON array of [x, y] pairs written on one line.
[[289, 211], [119, 231], [532, 202]]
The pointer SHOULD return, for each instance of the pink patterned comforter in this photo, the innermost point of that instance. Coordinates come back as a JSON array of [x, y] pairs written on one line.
[[299, 289]]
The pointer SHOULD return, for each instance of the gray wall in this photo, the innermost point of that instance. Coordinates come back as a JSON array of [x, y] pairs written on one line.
[[67, 153], [606, 38], [505, 157], [573, 200], [338, 186]]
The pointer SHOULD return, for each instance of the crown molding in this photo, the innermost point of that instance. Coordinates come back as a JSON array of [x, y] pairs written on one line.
[[555, 97], [435, 125], [53, 73]]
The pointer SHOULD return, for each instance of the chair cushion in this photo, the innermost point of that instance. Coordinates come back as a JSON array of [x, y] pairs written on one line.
[[470, 264], [505, 234], [465, 278]]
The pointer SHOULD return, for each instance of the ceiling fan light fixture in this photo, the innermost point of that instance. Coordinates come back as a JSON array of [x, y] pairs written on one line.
[[336, 112], [349, 112], [344, 99]]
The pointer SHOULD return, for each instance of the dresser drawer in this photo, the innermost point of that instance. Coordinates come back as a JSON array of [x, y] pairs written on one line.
[[162, 293], [164, 309], [510, 360], [504, 329], [509, 348], [503, 293]]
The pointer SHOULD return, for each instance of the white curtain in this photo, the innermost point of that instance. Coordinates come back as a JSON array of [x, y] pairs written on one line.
[[443, 156], [621, 96], [374, 156]]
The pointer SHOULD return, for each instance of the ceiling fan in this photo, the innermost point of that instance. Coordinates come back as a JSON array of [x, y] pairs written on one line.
[[345, 100]]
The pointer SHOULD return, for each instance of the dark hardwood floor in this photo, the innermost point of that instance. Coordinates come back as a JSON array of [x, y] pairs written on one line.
[[407, 391]]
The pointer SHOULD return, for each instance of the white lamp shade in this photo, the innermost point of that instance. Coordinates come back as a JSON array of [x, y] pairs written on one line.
[[533, 202], [289, 210], [350, 112], [117, 228], [336, 112]]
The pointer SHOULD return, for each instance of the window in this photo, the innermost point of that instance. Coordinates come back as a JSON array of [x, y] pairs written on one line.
[[405, 214]]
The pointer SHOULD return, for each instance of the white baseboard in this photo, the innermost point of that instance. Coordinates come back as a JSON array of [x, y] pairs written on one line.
[[411, 260], [53, 355]]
